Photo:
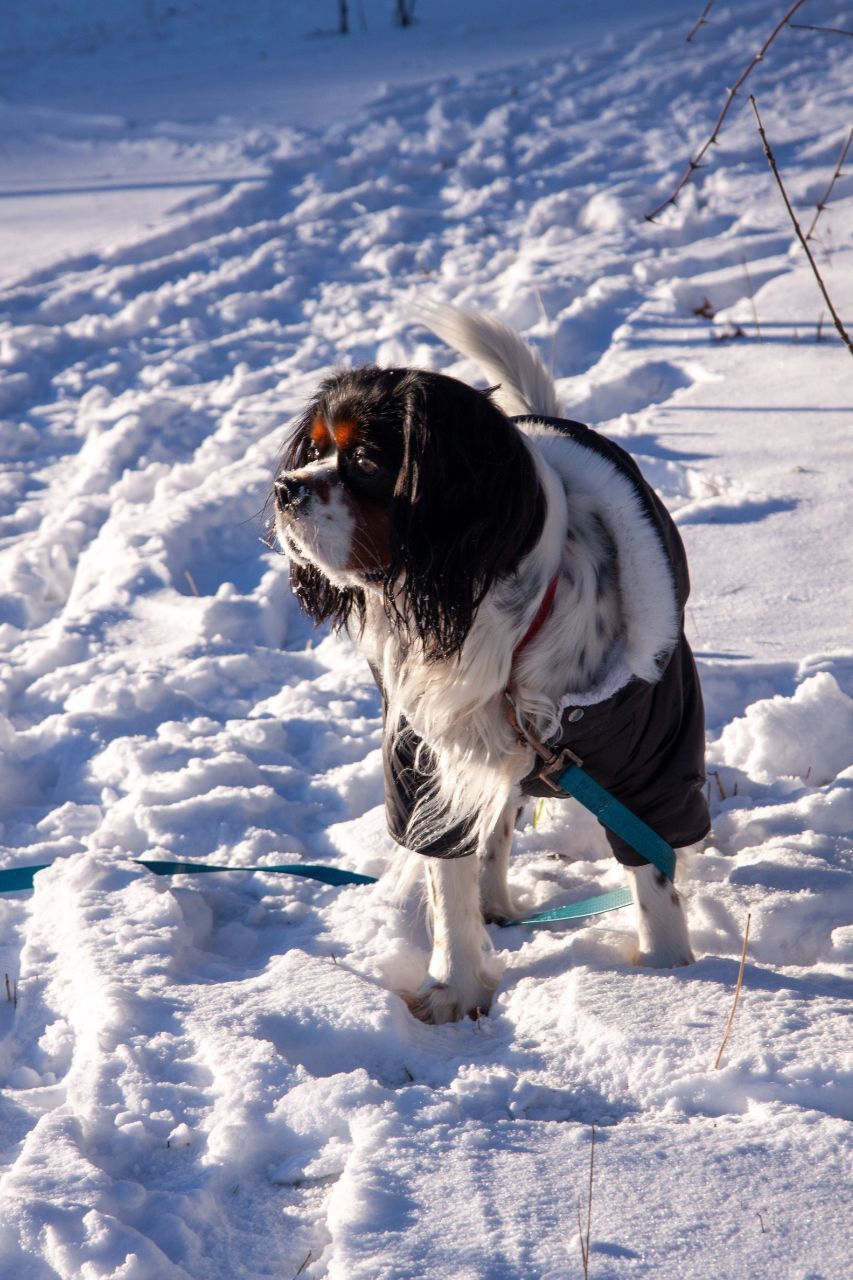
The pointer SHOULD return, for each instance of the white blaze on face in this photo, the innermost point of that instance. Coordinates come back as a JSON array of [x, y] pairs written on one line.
[[320, 530]]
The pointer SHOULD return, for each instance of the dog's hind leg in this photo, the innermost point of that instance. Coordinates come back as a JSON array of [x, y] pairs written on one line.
[[661, 922], [495, 898], [463, 969]]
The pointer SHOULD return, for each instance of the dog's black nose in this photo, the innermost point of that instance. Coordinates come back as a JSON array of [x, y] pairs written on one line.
[[290, 493]]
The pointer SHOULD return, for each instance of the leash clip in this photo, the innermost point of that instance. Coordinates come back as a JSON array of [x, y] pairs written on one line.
[[553, 762]]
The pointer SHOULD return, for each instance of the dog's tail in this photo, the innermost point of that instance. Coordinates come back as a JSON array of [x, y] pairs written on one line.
[[524, 384]]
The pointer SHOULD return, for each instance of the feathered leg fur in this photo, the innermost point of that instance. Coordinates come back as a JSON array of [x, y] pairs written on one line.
[[496, 900], [663, 941], [463, 969]]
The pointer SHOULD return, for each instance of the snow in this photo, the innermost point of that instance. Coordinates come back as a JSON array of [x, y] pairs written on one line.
[[211, 1077]]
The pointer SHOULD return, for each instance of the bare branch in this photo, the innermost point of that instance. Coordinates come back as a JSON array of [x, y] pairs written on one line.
[[807, 26], [701, 21], [694, 163], [824, 200], [772, 162], [737, 993]]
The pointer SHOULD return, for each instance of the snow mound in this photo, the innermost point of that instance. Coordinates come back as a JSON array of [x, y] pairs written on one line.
[[603, 212], [808, 736]]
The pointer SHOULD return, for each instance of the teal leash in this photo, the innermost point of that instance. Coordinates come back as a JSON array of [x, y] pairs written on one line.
[[573, 780], [18, 878]]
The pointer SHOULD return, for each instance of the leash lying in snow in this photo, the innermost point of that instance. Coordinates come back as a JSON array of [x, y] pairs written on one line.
[[573, 780], [561, 770], [20, 878]]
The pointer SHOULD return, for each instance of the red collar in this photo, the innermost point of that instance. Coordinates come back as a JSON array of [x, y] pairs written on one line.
[[541, 614]]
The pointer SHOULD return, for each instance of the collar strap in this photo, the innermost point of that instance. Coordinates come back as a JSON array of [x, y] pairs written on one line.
[[538, 622]]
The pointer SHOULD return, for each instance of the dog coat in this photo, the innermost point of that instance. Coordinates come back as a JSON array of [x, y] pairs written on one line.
[[640, 731]]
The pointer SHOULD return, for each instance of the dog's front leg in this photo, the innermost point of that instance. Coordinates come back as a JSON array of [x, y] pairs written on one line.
[[661, 923], [463, 970], [496, 900]]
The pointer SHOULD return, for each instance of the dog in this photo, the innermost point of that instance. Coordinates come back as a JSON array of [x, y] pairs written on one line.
[[475, 544]]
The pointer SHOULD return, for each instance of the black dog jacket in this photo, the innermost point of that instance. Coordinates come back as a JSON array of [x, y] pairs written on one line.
[[645, 741]]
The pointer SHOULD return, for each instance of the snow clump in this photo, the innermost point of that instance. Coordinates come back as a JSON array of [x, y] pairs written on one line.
[[808, 736]]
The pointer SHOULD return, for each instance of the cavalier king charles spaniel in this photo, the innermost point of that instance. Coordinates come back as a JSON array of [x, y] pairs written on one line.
[[474, 544]]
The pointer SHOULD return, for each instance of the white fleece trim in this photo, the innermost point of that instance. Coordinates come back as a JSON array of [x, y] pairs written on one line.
[[646, 582], [615, 676]]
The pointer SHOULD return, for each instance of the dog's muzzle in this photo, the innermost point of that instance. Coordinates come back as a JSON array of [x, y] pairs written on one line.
[[291, 493]]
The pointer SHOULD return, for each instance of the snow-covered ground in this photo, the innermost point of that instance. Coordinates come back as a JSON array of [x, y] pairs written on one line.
[[211, 1077]]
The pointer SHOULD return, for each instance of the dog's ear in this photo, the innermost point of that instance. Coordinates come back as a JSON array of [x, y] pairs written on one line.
[[319, 598], [467, 507]]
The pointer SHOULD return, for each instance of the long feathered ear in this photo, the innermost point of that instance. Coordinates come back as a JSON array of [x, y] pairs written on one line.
[[318, 597], [466, 510]]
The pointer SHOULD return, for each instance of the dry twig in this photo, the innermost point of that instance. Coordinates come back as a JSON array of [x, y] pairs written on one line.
[[701, 21], [695, 162], [807, 26], [307, 1259], [824, 200], [585, 1241], [737, 993], [772, 162]]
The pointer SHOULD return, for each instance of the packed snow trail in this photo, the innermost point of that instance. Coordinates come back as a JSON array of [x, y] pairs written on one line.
[[213, 1078]]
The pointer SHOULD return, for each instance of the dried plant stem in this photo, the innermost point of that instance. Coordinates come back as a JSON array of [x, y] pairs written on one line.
[[307, 1259], [191, 580], [695, 162], [808, 26], [585, 1240], [701, 21], [772, 162], [737, 993], [824, 200]]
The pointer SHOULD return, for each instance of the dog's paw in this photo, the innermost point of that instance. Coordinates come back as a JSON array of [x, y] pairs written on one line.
[[503, 908], [663, 957], [438, 1002], [503, 914]]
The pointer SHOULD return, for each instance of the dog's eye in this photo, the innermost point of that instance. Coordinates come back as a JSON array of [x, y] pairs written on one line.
[[363, 464]]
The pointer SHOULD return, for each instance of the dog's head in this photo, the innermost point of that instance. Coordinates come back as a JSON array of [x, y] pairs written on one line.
[[411, 484]]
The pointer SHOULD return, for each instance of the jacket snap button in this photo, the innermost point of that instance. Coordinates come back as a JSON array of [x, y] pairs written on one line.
[[575, 714]]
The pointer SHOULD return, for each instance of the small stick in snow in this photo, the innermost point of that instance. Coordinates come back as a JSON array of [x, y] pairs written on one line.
[[309, 1255], [824, 200], [771, 159], [737, 993], [695, 162], [585, 1242], [191, 580], [701, 21]]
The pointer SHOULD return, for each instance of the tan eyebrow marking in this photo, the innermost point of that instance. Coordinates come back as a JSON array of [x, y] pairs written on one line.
[[345, 433], [320, 433]]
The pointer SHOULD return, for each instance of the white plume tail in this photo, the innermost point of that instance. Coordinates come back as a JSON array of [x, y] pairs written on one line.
[[525, 385]]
